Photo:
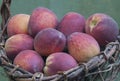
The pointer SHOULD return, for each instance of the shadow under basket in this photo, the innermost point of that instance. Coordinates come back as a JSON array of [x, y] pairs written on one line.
[[104, 67]]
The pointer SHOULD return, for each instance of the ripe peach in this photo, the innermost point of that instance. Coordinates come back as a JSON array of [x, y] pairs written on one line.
[[102, 27], [17, 43], [29, 60], [82, 46], [41, 18], [72, 22], [18, 24], [48, 41], [59, 61]]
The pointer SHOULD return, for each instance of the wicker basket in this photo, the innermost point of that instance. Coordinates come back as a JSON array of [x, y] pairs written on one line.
[[104, 67]]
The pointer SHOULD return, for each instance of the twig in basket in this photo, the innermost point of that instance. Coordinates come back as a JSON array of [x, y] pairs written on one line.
[[115, 69], [3, 31], [10, 66], [38, 76], [5, 12], [110, 68]]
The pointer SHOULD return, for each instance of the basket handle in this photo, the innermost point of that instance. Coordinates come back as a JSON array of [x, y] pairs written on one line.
[[5, 14]]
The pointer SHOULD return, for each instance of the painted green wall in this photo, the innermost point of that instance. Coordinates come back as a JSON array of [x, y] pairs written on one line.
[[61, 7]]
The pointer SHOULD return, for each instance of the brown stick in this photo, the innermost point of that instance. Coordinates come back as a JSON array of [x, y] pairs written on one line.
[[5, 14]]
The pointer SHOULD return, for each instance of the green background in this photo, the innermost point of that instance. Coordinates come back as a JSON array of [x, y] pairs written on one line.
[[61, 7]]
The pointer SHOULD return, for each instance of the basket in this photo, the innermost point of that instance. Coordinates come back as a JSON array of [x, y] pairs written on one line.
[[104, 67]]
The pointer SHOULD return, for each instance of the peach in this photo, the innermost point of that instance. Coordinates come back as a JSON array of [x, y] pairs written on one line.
[[41, 18], [102, 27], [59, 61], [18, 24], [30, 61], [82, 46], [17, 43], [72, 22], [48, 41]]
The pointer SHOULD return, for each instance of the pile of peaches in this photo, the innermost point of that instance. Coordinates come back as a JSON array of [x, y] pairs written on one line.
[[39, 42]]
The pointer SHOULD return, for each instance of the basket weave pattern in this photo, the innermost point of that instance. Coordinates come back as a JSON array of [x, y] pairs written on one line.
[[104, 67]]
